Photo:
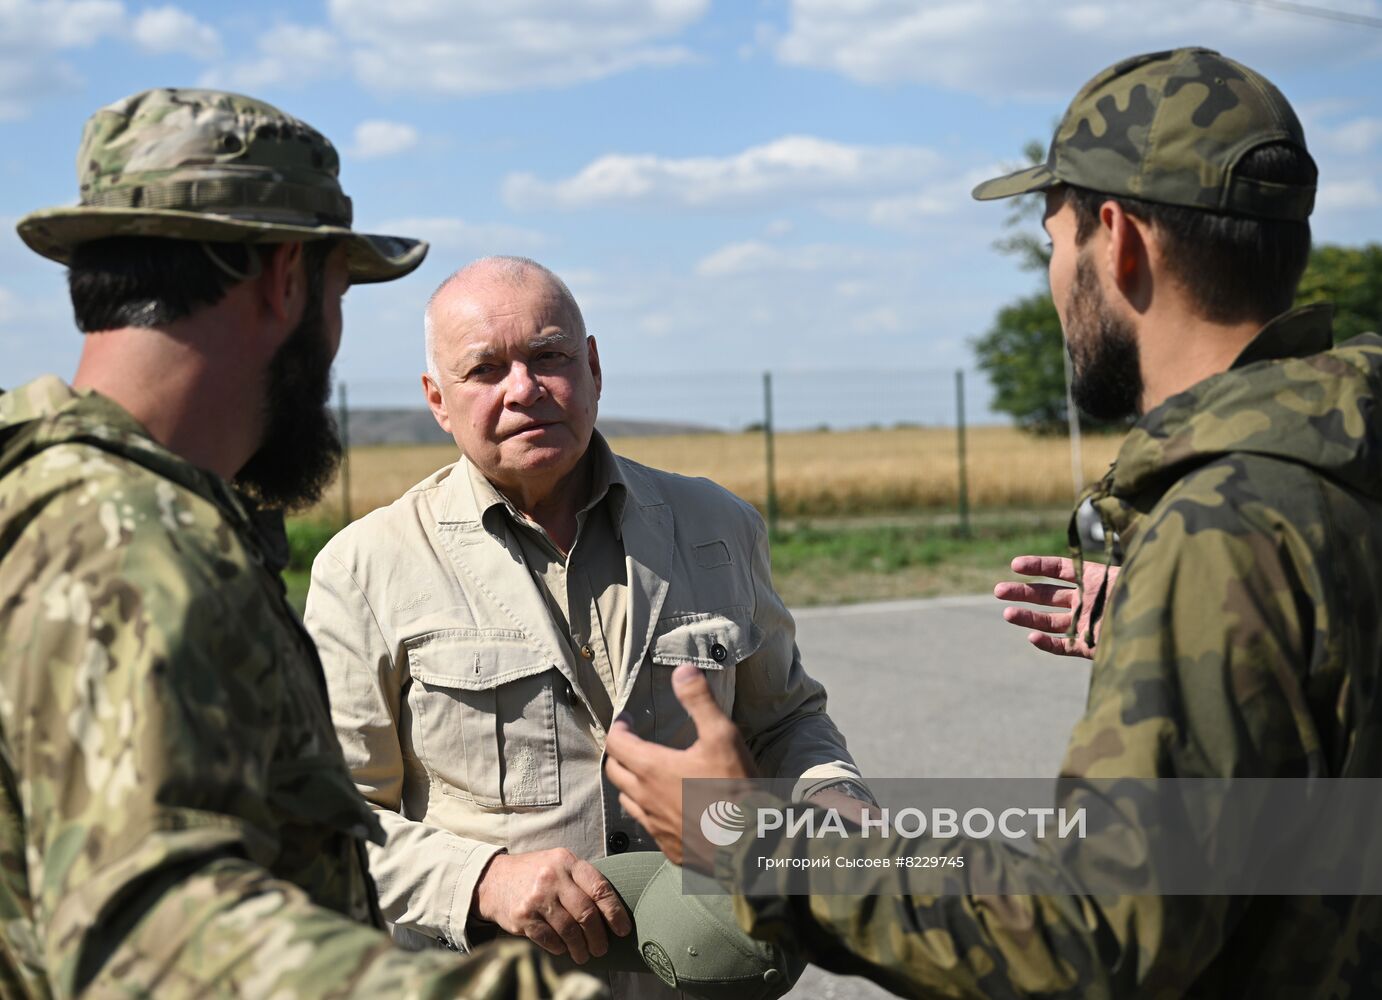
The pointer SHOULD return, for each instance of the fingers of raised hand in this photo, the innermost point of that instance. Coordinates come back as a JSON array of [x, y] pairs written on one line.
[[670, 845], [619, 775], [1036, 593], [1052, 567], [693, 691], [1059, 645], [1045, 621]]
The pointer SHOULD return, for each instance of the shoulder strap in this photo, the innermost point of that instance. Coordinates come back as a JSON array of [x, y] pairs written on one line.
[[16, 444]]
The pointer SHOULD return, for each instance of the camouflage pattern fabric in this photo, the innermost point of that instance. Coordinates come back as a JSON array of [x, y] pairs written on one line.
[[175, 813], [211, 166], [1171, 127], [1242, 639]]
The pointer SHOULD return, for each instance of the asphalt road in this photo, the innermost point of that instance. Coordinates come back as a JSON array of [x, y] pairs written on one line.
[[936, 688]]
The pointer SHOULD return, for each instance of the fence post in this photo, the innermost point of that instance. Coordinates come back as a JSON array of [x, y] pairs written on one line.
[[768, 441], [1072, 416], [960, 437], [345, 457]]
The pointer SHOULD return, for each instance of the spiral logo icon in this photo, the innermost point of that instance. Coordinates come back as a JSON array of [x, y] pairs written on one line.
[[722, 823]]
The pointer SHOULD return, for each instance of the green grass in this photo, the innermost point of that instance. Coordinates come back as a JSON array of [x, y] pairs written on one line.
[[830, 564], [306, 537], [825, 562]]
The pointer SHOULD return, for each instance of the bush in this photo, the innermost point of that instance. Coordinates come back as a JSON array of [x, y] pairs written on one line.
[[305, 539]]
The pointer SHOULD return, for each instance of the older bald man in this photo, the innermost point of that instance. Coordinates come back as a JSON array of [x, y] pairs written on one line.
[[481, 634]]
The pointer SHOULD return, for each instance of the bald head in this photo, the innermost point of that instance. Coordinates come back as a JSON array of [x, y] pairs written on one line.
[[483, 275]]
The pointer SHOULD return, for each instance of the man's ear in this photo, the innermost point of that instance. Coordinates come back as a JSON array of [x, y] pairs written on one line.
[[1127, 254], [593, 357], [283, 284], [435, 402]]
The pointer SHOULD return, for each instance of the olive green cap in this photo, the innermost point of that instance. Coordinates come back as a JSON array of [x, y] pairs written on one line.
[[693, 943], [1171, 127], [210, 166]]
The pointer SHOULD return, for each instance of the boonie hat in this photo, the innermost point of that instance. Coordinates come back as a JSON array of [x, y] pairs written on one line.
[[211, 166], [1171, 127], [692, 943]]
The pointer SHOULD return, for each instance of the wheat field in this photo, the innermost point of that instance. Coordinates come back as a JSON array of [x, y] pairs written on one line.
[[818, 473]]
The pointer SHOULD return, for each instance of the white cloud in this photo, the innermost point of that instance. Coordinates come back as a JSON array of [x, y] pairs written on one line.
[[29, 25], [24, 80], [461, 47], [459, 237], [171, 29], [657, 324], [477, 46], [376, 138], [1352, 137], [791, 166], [1349, 195], [1011, 48], [286, 54], [882, 319], [33, 33], [752, 257]]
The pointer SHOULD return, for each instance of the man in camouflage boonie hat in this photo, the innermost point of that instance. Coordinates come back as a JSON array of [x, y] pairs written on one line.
[[1242, 637], [176, 818]]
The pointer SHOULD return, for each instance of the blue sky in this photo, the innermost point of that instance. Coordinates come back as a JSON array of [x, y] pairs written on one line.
[[728, 186]]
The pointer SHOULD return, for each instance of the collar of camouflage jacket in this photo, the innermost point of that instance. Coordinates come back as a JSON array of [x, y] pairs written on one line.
[[48, 411], [1288, 396]]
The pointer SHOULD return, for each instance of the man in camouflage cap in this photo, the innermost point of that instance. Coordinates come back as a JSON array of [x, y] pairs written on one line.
[[175, 813], [1243, 637]]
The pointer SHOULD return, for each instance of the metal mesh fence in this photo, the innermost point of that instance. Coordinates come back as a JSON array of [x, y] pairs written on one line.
[[793, 443]]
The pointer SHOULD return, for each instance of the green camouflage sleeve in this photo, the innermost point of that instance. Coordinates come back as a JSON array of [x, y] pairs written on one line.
[[172, 822], [1196, 676]]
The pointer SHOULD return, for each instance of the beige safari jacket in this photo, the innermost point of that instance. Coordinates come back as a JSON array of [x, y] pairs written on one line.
[[457, 702]]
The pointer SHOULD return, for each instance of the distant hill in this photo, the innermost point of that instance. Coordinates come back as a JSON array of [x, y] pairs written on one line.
[[381, 426]]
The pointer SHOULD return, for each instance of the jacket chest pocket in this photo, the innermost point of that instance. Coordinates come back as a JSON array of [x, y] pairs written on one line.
[[717, 642], [484, 716]]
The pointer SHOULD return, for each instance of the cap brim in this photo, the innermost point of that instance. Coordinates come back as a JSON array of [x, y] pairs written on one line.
[[54, 232], [1024, 181]]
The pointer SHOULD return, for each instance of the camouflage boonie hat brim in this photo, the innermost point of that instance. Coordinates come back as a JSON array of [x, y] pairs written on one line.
[[1171, 127], [208, 166]]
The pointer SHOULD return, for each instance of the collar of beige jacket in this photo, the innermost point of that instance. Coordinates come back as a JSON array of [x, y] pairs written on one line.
[[492, 564]]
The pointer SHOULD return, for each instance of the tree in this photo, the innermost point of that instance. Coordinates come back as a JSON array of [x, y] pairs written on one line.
[[1351, 278], [1023, 356]]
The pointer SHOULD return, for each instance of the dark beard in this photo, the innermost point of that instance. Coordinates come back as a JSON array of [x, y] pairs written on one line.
[[301, 448], [1107, 373]]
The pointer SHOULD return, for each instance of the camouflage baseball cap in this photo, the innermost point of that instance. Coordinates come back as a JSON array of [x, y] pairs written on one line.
[[692, 943], [1171, 127], [211, 166]]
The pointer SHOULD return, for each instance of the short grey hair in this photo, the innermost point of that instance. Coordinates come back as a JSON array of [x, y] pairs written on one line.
[[513, 270]]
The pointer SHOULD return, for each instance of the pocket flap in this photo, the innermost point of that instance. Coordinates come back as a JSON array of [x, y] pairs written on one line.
[[712, 640], [472, 659]]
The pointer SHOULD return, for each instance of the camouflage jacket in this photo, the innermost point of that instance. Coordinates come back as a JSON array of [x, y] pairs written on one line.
[[175, 812], [1242, 639]]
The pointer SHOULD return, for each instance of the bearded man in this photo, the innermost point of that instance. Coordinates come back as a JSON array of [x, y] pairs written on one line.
[[1242, 639], [176, 818]]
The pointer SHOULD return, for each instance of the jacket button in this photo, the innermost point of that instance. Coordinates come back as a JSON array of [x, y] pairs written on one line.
[[587, 653], [617, 842], [718, 653]]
